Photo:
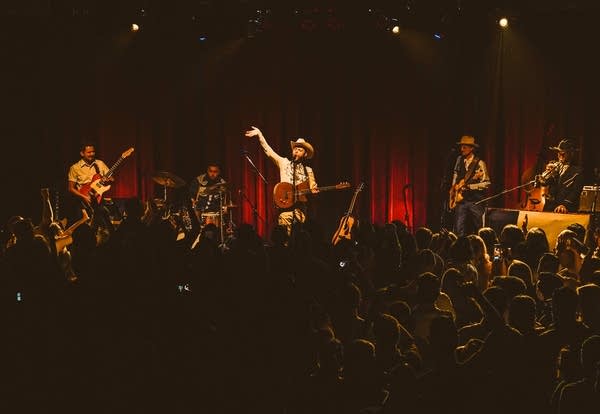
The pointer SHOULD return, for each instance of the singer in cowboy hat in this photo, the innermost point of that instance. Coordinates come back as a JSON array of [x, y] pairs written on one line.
[[294, 171], [469, 182], [563, 179]]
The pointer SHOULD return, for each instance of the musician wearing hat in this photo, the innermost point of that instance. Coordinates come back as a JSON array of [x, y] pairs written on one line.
[[469, 183], [563, 179], [294, 171]]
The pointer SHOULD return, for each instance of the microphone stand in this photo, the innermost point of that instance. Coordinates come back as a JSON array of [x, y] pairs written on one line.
[[532, 182], [262, 177], [254, 210], [406, 215]]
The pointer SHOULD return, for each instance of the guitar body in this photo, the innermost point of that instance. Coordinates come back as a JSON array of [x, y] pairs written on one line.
[[456, 190], [347, 223], [344, 231], [95, 188], [66, 237], [456, 194], [283, 194]]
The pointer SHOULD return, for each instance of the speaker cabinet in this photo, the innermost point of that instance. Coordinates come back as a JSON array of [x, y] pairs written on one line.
[[589, 201]]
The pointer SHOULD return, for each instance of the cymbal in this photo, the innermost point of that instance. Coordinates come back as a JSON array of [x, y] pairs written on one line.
[[168, 179]]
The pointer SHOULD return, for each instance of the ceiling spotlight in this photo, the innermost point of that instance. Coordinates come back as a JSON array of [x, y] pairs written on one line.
[[135, 27], [503, 22]]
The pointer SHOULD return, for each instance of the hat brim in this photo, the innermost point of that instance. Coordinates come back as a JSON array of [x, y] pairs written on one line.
[[307, 147], [572, 149], [470, 145]]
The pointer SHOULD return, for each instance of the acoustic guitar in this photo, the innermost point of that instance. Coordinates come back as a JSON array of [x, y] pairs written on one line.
[[99, 184], [347, 223], [456, 190], [65, 238], [285, 195]]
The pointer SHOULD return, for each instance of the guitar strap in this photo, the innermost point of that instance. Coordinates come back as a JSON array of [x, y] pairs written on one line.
[[306, 174], [472, 169]]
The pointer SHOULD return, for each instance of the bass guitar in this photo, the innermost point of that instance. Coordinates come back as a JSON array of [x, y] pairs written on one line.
[[99, 184], [347, 223], [456, 190], [285, 195]]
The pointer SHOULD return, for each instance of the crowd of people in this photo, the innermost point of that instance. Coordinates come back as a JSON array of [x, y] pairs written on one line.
[[163, 315], [390, 321]]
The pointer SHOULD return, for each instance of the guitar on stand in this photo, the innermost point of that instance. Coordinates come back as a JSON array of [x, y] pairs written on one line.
[[65, 237], [347, 222]]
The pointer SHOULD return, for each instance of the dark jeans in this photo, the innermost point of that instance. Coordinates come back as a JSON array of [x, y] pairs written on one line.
[[469, 218]]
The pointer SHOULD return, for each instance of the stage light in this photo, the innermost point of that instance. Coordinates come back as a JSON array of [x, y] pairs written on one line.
[[135, 27], [503, 22], [396, 29], [438, 36]]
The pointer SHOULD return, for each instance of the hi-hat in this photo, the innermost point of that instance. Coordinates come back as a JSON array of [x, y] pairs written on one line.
[[168, 179]]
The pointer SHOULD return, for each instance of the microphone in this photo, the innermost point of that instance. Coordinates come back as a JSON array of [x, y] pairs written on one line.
[[244, 152]]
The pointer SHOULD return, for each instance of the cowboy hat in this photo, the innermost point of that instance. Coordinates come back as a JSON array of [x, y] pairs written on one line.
[[468, 140], [301, 142], [566, 145]]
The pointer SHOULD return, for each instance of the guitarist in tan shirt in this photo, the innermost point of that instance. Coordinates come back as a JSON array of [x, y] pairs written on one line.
[[469, 182], [81, 173]]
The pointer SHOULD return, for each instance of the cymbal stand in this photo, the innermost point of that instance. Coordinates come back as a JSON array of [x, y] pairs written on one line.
[[221, 218], [166, 213], [230, 225]]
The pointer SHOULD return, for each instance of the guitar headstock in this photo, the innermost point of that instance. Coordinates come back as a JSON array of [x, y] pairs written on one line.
[[127, 153], [342, 185]]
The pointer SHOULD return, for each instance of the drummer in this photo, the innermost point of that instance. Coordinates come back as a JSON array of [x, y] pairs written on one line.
[[207, 192]]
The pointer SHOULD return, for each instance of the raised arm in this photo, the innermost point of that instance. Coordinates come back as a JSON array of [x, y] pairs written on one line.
[[255, 132]]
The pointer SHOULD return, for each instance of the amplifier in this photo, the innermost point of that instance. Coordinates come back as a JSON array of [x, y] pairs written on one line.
[[589, 200]]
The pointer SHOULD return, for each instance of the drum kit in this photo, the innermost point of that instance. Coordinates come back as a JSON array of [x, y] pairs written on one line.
[[222, 219]]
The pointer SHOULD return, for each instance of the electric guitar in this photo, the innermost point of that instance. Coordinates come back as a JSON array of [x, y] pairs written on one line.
[[347, 222], [284, 197], [98, 185], [457, 189]]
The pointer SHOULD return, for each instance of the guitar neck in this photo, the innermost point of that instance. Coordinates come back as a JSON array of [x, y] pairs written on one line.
[[113, 168], [354, 197], [78, 223], [351, 208], [326, 188]]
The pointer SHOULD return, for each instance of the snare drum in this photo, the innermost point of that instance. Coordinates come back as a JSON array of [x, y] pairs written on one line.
[[211, 218]]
